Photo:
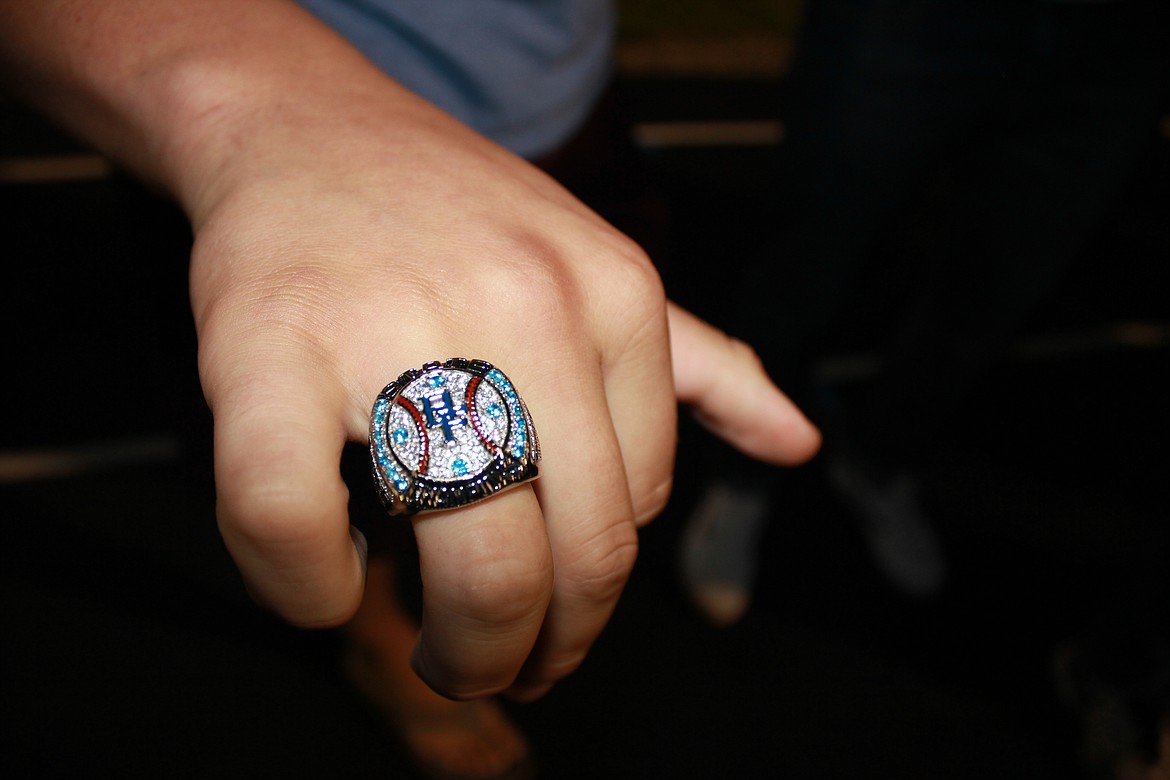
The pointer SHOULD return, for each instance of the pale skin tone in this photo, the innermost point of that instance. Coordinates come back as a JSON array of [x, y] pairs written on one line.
[[346, 230]]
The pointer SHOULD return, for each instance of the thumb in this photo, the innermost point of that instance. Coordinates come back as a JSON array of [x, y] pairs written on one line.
[[723, 379]]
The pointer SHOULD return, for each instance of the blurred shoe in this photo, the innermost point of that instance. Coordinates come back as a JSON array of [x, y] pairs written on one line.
[[901, 540], [717, 552], [1124, 726]]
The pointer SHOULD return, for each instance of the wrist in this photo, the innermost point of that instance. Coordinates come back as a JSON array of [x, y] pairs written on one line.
[[275, 104], [198, 97]]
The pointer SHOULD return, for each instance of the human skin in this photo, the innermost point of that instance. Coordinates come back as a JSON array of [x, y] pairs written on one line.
[[346, 230]]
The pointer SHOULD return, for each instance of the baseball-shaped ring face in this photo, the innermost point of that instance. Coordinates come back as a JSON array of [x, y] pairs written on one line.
[[449, 434]]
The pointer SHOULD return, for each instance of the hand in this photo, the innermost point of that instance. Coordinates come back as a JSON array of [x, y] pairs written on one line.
[[316, 284], [345, 231]]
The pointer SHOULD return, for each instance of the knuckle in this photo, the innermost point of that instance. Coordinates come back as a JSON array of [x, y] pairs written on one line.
[[741, 352], [500, 592], [636, 286], [288, 552], [278, 512], [741, 357], [641, 275], [297, 298], [534, 289], [258, 326], [601, 568], [551, 291], [632, 307]]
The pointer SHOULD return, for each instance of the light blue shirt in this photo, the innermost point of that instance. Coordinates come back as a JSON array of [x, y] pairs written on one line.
[[525, 73]]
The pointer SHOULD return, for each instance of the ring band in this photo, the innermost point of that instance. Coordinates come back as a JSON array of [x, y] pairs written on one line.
[[450, 434]]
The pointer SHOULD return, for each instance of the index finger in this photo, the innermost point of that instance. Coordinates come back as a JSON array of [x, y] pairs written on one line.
[[281, 502], [726, 384]]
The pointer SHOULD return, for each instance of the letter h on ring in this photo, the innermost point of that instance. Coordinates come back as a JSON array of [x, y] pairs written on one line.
[[441, 411]]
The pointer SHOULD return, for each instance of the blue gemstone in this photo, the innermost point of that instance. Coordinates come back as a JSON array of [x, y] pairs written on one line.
[[495, 411], [518, 451], [401, 435], [438, 380], [459, 466]]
